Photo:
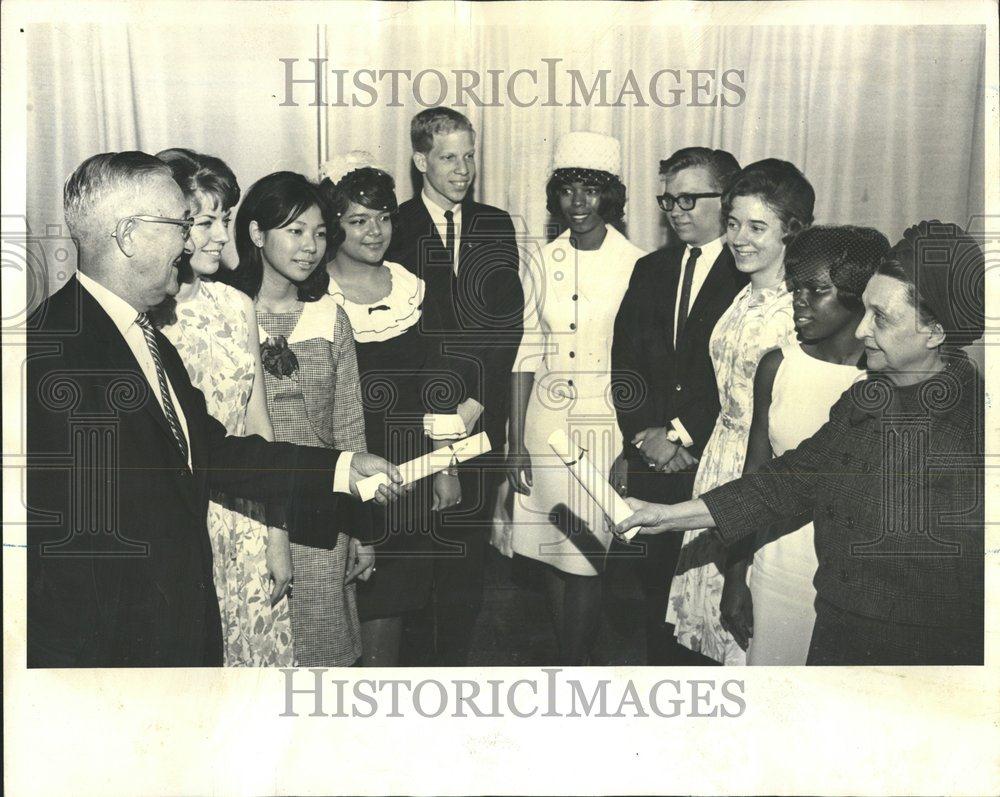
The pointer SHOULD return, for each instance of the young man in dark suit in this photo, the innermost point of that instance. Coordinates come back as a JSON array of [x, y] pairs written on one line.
[[122, 452], [467, 254], [660, 356]]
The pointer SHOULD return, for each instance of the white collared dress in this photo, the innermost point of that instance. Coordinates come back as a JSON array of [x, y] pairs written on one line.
[[571, 300]]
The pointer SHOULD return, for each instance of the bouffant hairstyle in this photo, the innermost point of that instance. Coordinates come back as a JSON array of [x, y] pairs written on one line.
[[850, 254], [273, 202], [779, 185], [194, 173]]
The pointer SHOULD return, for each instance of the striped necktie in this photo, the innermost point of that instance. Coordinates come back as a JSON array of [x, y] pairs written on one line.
[[161, 376]]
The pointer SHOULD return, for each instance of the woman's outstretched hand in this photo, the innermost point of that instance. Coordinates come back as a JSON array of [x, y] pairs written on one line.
[[650, 518]]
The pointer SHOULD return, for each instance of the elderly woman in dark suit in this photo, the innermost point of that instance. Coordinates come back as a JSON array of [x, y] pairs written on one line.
[[893, 481]]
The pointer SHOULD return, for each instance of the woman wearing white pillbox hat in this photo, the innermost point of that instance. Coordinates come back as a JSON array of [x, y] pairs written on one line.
[[562, 381]]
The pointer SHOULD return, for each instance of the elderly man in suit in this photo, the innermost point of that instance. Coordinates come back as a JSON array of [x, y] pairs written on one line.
[[119, 559], [467, 255], [667, 400]]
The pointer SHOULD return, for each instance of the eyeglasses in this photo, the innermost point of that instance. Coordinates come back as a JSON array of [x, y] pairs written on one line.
[[683, 201], [184, 224]]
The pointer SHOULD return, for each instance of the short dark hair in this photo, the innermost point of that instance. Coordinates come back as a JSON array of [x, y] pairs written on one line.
[[722, 165], [779, 185], [101, 175], [370, 187], [273, 202], [195, 172], [436, 121], [611, 208], [850, 254]]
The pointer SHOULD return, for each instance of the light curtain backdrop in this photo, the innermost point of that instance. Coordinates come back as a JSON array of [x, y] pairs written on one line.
[[886, 122]]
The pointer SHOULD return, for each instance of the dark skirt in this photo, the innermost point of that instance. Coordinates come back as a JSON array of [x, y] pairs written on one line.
[[844, 638]]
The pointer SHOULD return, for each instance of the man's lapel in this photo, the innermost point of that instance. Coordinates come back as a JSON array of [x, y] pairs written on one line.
[[669, 282], [108, 350]]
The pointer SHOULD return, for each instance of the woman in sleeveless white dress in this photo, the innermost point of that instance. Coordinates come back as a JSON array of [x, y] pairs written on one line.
[[782, 574]]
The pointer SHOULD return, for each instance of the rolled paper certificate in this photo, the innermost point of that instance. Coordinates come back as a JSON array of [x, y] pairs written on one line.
[[444, 427], [591, 479], [451, 427], [429, 464]]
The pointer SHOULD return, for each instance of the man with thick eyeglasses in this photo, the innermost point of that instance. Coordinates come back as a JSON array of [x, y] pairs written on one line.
[[684, 201], [119, 558], [668, 401]]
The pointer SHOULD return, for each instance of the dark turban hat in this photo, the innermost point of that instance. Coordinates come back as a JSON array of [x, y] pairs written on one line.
[[947, 268]]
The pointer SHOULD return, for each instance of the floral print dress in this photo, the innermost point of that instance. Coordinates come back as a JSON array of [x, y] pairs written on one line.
[[757, 321], [211, 335]]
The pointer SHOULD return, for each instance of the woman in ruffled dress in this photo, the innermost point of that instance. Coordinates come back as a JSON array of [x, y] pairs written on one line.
[[313, 398], [214, 329], [767, 201], [404, 376]]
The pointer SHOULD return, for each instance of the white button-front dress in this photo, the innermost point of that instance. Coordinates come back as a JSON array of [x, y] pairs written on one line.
[[571, 300]]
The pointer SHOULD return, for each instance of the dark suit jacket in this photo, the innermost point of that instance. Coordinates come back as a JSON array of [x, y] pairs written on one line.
[[656, 381], [119, 559], [481, 308]]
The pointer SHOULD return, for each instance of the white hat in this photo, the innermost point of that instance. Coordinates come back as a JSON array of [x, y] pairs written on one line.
[[582, 149]]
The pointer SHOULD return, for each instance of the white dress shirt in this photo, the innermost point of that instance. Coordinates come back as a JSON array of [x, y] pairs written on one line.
[[124, 316], [441, 223], [703, 265]]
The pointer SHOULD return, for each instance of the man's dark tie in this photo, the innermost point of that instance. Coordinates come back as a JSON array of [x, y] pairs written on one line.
[[449, 240], [161, 376], [682, 311]]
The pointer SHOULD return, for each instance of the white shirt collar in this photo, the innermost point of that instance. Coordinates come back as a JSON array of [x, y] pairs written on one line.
[[709, 252], [120, 311], [437, 212]]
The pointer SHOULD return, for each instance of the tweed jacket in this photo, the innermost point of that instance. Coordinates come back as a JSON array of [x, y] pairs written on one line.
[[894, 484]]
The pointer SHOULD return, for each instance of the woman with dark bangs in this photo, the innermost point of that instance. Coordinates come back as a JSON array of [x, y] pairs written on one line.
[[562, 381], [826, 270], [404, 376], [214, 329], [313, 397]]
